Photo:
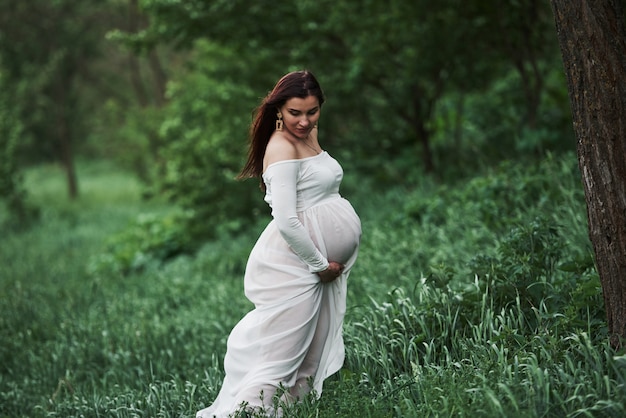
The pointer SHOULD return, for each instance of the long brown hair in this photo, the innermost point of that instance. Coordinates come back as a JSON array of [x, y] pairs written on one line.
[[299, 84]]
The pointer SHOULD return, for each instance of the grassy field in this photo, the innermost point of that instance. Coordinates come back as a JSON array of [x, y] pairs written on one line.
[[477, 299]]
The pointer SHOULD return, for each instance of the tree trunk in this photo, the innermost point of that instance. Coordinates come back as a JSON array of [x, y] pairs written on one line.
[[64, 135], [423, 136], [160, 78], [67, 156], [422, 113], [133, 62], [592, 38], [459, 113]]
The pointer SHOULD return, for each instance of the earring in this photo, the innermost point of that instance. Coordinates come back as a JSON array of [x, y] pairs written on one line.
[[279, 121]]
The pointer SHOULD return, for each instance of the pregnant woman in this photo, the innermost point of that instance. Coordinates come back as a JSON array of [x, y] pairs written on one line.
[[297, 271]]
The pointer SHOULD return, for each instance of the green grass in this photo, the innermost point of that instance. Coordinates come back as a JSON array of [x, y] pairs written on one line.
[[477, 299]]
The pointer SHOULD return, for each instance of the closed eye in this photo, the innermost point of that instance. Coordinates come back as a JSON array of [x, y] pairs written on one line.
[[311, 112]]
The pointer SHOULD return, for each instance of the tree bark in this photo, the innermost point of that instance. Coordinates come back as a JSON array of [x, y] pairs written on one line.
[[592, 38], [64, 134], [67, 156], [133, 62], [160, 78]]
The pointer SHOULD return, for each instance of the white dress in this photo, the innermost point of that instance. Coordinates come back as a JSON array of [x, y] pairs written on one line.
[[293, 337]]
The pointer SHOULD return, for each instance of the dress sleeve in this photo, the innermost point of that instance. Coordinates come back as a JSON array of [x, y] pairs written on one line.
[[282, 179]]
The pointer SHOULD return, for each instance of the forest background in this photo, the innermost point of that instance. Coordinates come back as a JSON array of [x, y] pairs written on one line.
[[123, 124]]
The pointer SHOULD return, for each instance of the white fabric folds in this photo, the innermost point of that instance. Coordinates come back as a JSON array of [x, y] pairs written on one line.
[[294, 334]]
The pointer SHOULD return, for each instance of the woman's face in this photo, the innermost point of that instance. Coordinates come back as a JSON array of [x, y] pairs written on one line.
[[300, 115]]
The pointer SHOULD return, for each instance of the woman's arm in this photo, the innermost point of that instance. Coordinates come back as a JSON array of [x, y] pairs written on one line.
[[282, 178]]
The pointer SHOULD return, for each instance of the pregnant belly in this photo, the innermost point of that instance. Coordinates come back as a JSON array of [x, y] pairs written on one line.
[[337, 227], [341, 243]]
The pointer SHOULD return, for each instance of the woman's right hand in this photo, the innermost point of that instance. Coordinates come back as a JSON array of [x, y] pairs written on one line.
[[333, 271]]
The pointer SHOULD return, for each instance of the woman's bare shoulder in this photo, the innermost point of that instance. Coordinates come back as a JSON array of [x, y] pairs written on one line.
[[279, 148]]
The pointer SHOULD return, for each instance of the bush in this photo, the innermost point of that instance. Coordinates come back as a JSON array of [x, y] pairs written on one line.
[[530, 246], [532, 269], [503, 194], [205, 147], [151, 240], [21, 212]]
